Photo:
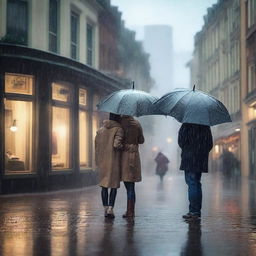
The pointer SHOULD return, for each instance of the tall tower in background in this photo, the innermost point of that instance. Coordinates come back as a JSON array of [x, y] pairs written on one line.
[[158, 42]]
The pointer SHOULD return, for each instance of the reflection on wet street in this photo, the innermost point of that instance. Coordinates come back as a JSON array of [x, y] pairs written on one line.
[[72, 223]]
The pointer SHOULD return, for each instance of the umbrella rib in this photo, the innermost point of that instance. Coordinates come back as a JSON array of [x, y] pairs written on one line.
[[170, 112]]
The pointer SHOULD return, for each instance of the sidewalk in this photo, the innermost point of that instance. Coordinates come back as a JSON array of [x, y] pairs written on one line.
[[69, 223]]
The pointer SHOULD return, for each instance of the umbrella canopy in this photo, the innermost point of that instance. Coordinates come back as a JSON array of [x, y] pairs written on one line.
[[128, 102], [192, 106]]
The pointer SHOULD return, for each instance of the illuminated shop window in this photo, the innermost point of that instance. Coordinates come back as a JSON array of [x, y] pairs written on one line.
[[61, 141], [15, 83], [82, 97], [60, 138], [95, 123], [18, 118], [60, 92], [83, 129], [83, 139]]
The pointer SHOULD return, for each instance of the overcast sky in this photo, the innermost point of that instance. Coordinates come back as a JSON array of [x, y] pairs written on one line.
[[185, 16]]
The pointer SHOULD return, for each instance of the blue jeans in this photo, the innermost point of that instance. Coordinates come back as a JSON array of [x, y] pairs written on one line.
[[193, 180], [130, 189]]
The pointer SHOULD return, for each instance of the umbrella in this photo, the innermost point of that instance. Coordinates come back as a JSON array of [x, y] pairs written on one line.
[[192, 106], [128, 102]]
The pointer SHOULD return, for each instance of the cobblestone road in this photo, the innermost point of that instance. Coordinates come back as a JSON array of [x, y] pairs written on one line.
[[69, 223]]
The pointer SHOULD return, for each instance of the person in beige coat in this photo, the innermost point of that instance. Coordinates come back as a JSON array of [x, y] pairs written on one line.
[[108, 145], [130, 163]]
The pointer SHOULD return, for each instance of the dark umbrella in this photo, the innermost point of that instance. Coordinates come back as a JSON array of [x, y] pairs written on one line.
[[128, 102], [192, 106]]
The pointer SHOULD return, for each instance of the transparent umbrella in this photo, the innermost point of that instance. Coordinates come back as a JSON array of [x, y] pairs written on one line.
[[128, 102], [192, 106]]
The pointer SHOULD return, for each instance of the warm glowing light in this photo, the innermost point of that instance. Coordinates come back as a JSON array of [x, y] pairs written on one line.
[[155, 149], [61, 130], [169, 140], [237, 129], [217, 149], [14, 127]]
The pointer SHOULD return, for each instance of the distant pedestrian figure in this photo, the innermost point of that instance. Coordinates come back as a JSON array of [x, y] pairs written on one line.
[[131, 167], [230, 164], [161, 165], [108, 146], [195, 142]]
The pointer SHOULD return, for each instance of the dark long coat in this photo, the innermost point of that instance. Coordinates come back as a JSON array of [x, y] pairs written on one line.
[[195, 142], [133, 136]]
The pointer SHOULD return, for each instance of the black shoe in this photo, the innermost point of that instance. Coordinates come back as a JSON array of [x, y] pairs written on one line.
[[187, 216], [191, 216]]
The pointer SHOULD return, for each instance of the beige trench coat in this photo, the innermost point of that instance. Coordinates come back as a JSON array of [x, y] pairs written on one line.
[[133, 135], [108, 145]]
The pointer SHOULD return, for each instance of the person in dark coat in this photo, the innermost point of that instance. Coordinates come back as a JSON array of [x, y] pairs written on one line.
[[195, 142], [161, 165]]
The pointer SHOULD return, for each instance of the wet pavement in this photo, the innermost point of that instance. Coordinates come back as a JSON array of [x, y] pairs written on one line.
[[68, 223]]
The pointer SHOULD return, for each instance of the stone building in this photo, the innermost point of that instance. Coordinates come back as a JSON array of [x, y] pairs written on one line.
[[215, 69], [248, 90], [55, 65]]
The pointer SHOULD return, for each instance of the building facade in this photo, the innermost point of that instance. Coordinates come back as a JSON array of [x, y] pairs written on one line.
[[248, 76], [50, 84], [215, 69]]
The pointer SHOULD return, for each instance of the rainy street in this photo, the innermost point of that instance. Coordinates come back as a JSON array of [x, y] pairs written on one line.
[[71, 222]]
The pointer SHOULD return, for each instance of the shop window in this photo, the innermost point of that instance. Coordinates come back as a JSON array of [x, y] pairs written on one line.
[[84, 141], [95, 123], [82, 97], [18, 84], [61, 133], [60, 92], [18, 134]]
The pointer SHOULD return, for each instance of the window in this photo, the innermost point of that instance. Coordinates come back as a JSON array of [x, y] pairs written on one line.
[[252, 151], [17, 22], [251, 78], [90, 44], [83, 129], [74, 35], [251, 5], [18, 118], [95, 122], [53, 25], [61, 123]]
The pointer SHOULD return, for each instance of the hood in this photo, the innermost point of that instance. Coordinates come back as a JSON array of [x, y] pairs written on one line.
[[108, 124]]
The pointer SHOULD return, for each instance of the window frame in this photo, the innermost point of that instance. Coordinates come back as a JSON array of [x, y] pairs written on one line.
[[27, 98], [52, 33], [66, 105], [75, 14], [10, 36], [87, 109], [91, 49]]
